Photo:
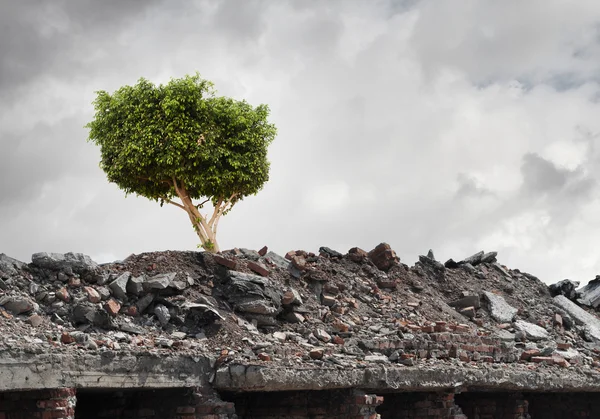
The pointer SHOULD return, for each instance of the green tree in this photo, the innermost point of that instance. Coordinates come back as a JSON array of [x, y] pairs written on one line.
[[179, 143]]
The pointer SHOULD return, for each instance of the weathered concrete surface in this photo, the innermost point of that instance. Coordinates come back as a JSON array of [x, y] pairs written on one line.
[[390, 378], [582, 317], [102, 372]]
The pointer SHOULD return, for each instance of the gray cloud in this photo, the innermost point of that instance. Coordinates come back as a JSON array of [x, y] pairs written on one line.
[[444, 125]]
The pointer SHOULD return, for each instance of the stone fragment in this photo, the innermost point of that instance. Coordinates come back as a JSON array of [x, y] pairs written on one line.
[[489, 257], [63, 295], [316, 353], [92, 295], [328, 300], [104, 293], [467, 301], [223, 261], [451, 264], [378, 359], [299, 263], [291, 297], [590, 294], [119, 286], [276, 260], [294, 317], [499, 309], [473, 259], [357, 255], [469, 268], [9, 267], [263, 356], [17, 304], [257, 307], [74, 282], [135, 285], [280, 336], [468, 312], [324, 250], [112, 307], [159, 282], [383, 256], [35, 320], [532, 332], [431, 263], [162, 314], [538, 359], [590, 322], [178, 335], [259, 268], [77, 262], [565, 287], [322, 335], [263, 251], [66, 338]]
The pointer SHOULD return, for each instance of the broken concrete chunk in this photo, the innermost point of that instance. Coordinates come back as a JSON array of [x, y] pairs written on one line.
[[291, 297], [532, 331], [468, 301], [135, 285], [144, 302], [322, 335], [489, 257], [330, 252], [590, 294], [357, 255], [9, 266], [500, 310], [17, 304], [565, 287], [119, 286], [159, 282], [257, 307], [77, 262], [590, 322], [473, 259], [383, 256], [162, 314], [277, 260]]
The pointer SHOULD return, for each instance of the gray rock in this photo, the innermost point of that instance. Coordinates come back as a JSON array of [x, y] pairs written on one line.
[[430, 254], [330, 252], [468, 301], [250, 254], [590, 322], [500, 310], [469, 268], [162, 314], [135, 285], [257, 307], [378, 359], [86, 313], [277, 260], [17, 304], [143, 303], [565, 287], [590, 294], [532, 331], [77, 262], [474, 259], [119, 286], [504, 335], [431, 262], [501, 269], [159, 282], [489, 257], [104, 293], [9, 267]]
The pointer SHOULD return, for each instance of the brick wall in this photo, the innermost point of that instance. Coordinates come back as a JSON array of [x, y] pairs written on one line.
[[332, 404], [40, 404], [420, 406], [493, 405]]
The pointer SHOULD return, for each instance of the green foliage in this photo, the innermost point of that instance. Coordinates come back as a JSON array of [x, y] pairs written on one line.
[[149, 134]]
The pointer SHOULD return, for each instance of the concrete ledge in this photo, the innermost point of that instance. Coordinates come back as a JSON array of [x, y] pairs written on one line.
[[103, 372], [382, 379]]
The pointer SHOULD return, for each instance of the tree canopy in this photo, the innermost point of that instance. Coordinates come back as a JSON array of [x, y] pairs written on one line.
[[180, 142]]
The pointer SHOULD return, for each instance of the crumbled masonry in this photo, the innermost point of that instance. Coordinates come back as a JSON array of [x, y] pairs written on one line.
[[252, 334]]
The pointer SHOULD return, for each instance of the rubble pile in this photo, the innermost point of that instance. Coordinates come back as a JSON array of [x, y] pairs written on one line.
[[300, 310]]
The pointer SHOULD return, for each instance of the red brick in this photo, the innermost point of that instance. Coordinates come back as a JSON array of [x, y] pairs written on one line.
[[112, 307], [223, 261], [259, 269], [263, 251]]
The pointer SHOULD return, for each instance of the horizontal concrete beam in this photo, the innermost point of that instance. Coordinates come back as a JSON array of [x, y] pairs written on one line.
[[103, 372], [382, 379]]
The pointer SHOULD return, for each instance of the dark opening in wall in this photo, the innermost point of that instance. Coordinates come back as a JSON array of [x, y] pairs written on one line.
[[132, 404], [501, 405], [330, 404], [564, 405], [419, 405]]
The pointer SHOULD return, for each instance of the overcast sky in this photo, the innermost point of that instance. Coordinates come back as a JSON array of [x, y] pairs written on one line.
[[456, 125]]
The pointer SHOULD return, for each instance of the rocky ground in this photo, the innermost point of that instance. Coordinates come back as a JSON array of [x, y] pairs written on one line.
[[301, 310]]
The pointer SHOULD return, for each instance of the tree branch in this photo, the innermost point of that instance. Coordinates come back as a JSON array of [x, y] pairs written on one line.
[[177, 204]]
